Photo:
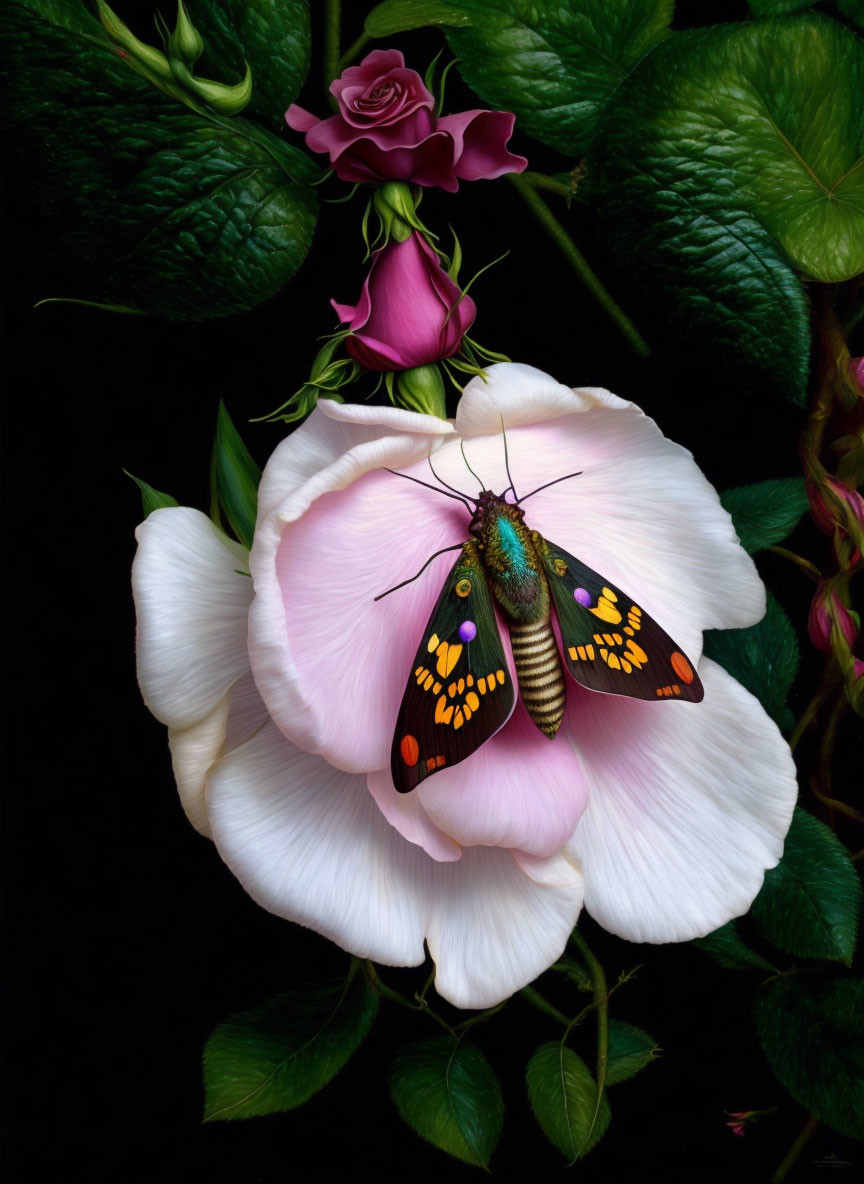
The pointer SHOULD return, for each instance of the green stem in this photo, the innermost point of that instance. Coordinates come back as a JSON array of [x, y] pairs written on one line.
[[537, 1000], [791, 1157], [804, 564], [543, 181], [577, 261], [601, 1003], [378, 984], [812, 709], [332, 21], [352, 51]]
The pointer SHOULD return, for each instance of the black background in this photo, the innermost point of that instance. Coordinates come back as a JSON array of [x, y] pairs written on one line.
[[125, 939]]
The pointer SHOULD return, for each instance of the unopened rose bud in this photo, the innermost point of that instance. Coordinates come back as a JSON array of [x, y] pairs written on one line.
[[422, 389], [856, 370], [830, 501], [151, 59], [185, 42], [227, 100], [825, 609]]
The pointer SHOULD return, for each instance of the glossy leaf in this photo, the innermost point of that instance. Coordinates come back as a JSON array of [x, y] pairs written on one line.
[[152, 499], [275, 1057], [448, 1093], [729, 951], [809, 903], [765, 513], [720, 173], [763, 658], [183, 216], [554, 64], [273, 36], [234, 479], [563, 1096], [812, 1031], [629, 1050]]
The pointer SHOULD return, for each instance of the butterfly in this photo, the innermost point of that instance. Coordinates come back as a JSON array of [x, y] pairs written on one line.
[[460, 691]]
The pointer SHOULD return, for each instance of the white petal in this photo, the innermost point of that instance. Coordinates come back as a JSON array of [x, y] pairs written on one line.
[[309, 843], [192, 608], [405, 812], [688, 806], [515, 394], [237, 715]]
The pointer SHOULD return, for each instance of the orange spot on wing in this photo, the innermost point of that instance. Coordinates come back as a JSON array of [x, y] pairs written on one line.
[[499, 674], [472, 701], [439, 761], [409, 750], [430, 678], [430, 764], [443, 713], [682, 667], [448, 655], [481, 685]]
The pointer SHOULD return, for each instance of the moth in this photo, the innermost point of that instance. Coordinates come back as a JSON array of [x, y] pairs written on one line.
[[460, 691]]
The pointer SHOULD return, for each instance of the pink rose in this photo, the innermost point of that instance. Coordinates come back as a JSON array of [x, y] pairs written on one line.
[[410, 312], [386, 130], [281, 694]]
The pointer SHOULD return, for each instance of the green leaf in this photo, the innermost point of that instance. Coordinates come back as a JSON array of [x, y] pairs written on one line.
[[720, 173], [563, 1096], [765, 513], [629, 1050], [448, 1093], [763, 658], [273, 36], [234, 479], [809, 903], [812, 1032], [729, 951], [553, 64], [70, 14], [151, 499], [275, 1057], [183, 216], [853, 10], [778, 7]]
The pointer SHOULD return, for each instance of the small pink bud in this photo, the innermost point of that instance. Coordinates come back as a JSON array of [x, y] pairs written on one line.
[[822, 508], [820, 620], [736, 1128], [856, 370]]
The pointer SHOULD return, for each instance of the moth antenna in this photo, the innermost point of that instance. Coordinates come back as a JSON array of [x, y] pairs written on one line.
[[470, 470], [507, 463], [546, 486], [434, 488], [396, 587], [467, 496]]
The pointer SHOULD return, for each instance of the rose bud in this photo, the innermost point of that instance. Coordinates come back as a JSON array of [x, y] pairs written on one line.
[[856, 370], [822, 503], [410, 311], [387, 130], [825, 608]]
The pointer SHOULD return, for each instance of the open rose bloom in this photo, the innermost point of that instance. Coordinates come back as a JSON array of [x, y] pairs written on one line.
[[281, 693]]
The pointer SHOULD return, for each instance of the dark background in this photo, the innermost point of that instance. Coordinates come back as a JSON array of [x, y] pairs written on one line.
[[125, 938]]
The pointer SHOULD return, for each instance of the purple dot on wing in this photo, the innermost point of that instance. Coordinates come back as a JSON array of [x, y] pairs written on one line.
[[467, 630], [583, 596]]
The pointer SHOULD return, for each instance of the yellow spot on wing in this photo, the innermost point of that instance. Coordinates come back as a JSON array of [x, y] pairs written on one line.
[[572, 652], [604, 654], [609, 594], [628, 630], [617, 638], [606, 610], [459, 719], [460, 686], [472, 701], [443, 713], [499, 674], [430, 678], [481, 685], [589, 650], [613, 663], [635, 654], [419, 671], [470, 680], [608, 638], [598, 637], [448, 655], [433, 643], [582, 654], [436, 688]]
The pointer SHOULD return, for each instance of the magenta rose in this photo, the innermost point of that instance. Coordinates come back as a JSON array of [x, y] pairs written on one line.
[[386, 130], [410, 312]]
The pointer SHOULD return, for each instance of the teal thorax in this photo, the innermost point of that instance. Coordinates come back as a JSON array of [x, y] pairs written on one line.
[[509, 555]]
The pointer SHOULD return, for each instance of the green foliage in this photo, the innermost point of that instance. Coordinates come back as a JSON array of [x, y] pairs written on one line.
[[812, 1032], [720, 172], [448, 1093], [70, 14], [553, 64], [729, 951], [809, 903], [853, 10], [152, 499], [765, 513], [234, 479], [273, 36], [763, 658], [275, 1057], [563, 1096], [629, 1050], [778, 7], [187, 216]]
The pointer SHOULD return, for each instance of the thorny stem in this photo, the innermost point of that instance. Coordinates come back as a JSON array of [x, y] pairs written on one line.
[[791, 1157], [601, 1003], [577, 261]]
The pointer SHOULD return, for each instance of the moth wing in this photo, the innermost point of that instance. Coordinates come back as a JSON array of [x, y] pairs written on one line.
[[459, 691], [609, 643]]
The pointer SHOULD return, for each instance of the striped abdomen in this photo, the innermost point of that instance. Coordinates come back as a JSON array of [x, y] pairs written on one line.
[[540, 673]]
